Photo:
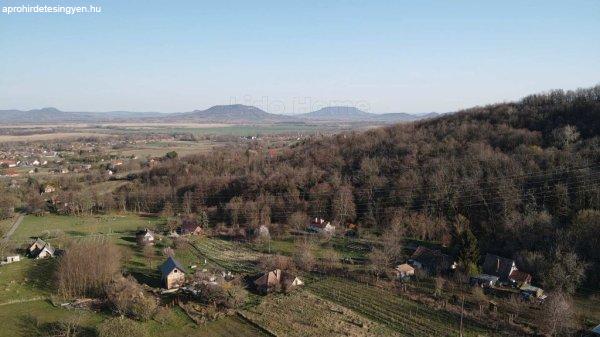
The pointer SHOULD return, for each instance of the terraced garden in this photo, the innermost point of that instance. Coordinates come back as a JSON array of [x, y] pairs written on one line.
[[227, 255], [406, 317], [304, 314]]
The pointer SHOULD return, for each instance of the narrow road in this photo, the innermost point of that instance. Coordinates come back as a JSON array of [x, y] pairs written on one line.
[[14, 227]]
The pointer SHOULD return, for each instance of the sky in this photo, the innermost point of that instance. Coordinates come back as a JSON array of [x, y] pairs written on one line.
[[291, 56]]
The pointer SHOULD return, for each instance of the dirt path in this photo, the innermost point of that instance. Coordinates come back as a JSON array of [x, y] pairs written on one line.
[[14, 227]]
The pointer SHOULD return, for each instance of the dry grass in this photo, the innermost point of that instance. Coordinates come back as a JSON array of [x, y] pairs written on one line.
[[303, 314], [49, 136]]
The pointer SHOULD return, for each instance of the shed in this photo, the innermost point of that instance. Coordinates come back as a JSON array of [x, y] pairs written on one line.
[[484, 280], [531, 291]]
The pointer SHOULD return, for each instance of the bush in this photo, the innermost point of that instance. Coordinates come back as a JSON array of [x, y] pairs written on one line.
[[121, 327], [129, 298]]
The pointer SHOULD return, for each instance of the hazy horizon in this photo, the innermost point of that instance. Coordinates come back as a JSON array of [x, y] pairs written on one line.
[[295, 57]]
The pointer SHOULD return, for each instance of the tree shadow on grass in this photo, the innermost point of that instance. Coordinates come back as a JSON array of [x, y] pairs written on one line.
[[129, 239], [41, 274], [30, 326], [76, 233], [145, 276]]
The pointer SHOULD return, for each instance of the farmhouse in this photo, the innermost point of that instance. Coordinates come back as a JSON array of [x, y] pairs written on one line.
[[173, 274], [432, 260], [40, 249], [505, 269], [404, 270], [144, 237], [321, 226]]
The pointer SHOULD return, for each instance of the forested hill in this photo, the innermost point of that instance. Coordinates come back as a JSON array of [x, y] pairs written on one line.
[[524, 176]]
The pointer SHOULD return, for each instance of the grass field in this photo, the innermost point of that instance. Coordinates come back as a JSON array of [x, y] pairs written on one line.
[[5, 224], [158, 149], [26, 287], [33, 226]]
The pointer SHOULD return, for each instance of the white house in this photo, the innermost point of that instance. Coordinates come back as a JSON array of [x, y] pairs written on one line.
[[321, 226]]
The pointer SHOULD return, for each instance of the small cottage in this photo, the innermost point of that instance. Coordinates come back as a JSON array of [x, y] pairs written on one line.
[[173, 273], [269, 281], [277, 279], [505, 269], [144, 237], [290, 282], [321, 226], [190, 227], [484, 280], [432, 260], [40, 249], [404, 271]]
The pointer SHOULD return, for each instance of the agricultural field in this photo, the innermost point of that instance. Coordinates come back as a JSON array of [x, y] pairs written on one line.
[[158, 149], [304, 314], [49, 136], [406, 317]]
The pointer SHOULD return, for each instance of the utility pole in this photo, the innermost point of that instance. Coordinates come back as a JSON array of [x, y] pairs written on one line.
[[462, 310]]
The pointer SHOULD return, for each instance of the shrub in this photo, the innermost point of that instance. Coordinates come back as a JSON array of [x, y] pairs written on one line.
[[121, 327], [129, 298]]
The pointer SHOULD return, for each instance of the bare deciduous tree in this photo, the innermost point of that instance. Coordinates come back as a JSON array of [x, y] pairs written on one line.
[[87, 267]]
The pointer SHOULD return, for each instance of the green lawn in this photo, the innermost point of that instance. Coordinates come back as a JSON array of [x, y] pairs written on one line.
[[74, 226], [31, 318], [27, 286]]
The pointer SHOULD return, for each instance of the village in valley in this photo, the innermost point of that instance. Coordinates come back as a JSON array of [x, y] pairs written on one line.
[[180, 272], [169, 233], [299, 168]]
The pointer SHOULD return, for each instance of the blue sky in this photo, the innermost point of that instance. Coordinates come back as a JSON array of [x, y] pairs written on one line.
[[293, 56]]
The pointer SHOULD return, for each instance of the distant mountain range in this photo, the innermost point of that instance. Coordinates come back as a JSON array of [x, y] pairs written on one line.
[[229, 114], [352, 114], [53, 115]]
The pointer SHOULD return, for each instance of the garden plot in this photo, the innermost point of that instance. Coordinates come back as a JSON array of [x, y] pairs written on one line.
[[406, 317], [228, 255], [304, 314]]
